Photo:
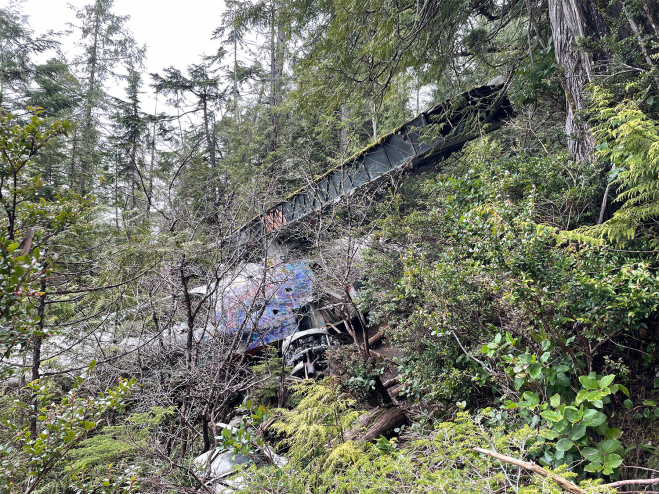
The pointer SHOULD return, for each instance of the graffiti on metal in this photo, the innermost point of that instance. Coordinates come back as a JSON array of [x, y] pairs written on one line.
[[264, 311]]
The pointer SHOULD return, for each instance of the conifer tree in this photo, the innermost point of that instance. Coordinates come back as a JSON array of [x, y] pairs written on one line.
[[17, 46], [106, 43]]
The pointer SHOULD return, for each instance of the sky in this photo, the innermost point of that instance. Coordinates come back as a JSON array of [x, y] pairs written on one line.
[[176, 32]]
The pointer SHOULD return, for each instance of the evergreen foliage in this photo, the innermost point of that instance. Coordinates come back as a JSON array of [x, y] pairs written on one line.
[[515, 283], [629, 140]]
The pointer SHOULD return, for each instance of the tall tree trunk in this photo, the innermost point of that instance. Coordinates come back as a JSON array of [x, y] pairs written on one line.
[[86, 161], [187, 399], [36, 358], [210, 137], [74, 155], [277, 38], [571, 20]]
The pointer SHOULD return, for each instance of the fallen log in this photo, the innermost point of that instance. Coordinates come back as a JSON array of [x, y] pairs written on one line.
[[396, 391], [390, 382], [375, 338], [379, 422]]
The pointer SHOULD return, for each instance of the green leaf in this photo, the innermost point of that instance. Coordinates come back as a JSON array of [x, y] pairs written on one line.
[[606, 380], [534, 370], [531, 397], [628, 404], [564, 444], [573, 414], [552, 416], [593, 418], [562, 379], [592, 454], [612, 461], [594, 396], [613, 433], [589, 382], [555, 400], [550, 434], [608, 446], [624, 390], [581, 396], [578, 431]]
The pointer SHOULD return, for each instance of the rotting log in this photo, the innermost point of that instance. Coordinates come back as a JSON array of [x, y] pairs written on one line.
[[379, 422]]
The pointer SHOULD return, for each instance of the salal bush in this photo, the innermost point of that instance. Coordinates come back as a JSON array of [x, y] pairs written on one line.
[[541, 330]]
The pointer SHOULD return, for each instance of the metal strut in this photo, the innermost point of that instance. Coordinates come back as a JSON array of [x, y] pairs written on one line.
[[406, 149]]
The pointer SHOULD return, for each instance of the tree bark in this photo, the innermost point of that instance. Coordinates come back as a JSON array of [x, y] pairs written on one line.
[[571, 20], [86, 159], [380, 422], [36, 359]]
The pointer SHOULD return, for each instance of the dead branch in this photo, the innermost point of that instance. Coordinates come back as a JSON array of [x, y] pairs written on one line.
[[527, 465]]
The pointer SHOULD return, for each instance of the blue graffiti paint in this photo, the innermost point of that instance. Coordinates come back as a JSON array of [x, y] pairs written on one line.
[[288, 287]]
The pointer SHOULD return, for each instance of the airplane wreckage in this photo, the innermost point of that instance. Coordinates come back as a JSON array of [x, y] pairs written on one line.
[[291, 314], [276, 305], [280, 304]]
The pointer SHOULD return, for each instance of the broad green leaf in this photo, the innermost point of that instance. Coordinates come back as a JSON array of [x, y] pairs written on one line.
[[562, 379], [564, 444], [589, 382], [581, 396], [552, 416], [613, 460], [606, 380], [608, 446], [592, 454], [534, 370], [578, 431], [594, 396], [550, 434], [530, 397], [573, 414], [555, 400], [613, 433], [593, 418]]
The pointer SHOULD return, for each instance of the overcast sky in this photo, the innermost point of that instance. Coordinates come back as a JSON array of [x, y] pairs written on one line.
[[176, 32]]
